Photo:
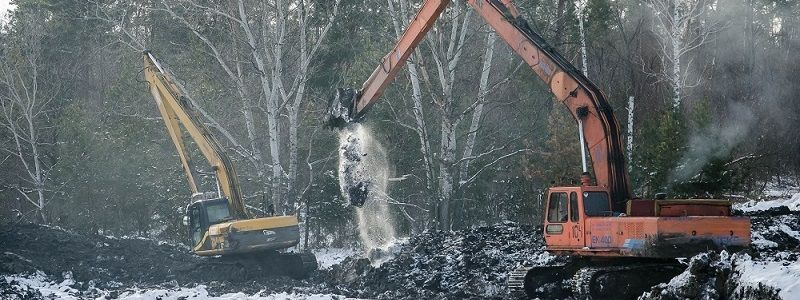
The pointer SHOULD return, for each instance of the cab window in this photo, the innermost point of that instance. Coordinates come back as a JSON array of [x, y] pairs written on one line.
[[596, 204], [574, 213], [218, 212], [557, 208]]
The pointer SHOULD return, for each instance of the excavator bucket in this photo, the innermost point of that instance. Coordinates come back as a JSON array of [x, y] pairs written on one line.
[[341, 108]]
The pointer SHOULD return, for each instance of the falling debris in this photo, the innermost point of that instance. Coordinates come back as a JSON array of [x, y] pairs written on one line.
[[363, 178], [354, 171]]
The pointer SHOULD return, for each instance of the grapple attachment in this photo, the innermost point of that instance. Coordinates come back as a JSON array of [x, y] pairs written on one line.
[[341, 108]]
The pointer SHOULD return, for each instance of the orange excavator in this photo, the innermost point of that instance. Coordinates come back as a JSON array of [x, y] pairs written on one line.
[[611, 242]]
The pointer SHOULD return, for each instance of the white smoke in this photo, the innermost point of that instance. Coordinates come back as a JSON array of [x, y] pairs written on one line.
[[715, 141]]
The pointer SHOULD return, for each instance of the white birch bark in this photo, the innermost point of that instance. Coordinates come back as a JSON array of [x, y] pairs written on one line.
[[579, 11], [679, 30], [446, 68], [265, 32], [630, 133], [416, 94], [477, 113], [298, 88]]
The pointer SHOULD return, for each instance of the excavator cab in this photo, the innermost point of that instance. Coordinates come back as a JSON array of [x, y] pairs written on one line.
[[203, 213], [567, 209]]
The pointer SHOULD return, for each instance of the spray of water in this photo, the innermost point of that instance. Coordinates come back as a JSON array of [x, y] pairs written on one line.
[[364, 173]]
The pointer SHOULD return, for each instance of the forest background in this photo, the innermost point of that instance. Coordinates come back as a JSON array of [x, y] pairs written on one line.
[[705, 91]]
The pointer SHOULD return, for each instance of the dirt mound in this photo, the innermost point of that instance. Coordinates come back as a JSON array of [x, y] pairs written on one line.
[[711, 276], [436, 264], [775, 243], [108, 263], [774, 230]]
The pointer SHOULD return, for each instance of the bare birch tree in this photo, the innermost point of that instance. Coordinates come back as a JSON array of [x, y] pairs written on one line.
[[477, 112], [680, 29], [580, 13], [266, 54], [26, 99], [446, 50]]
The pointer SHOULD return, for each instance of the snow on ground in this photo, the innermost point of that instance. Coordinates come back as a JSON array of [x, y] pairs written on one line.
[[760, 242], [782, 188], [328, 257], [782, 275], [200, 292], [38, 282], [38, 285], [793, 203]]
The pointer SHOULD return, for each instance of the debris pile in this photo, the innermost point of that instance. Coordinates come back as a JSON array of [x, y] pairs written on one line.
[[471, 263], [37, 261]]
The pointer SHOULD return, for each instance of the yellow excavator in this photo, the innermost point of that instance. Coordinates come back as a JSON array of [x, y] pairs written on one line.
[[218, 222]]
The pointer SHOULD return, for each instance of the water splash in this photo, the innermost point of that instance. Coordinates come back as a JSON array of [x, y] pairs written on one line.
[[363, 177]]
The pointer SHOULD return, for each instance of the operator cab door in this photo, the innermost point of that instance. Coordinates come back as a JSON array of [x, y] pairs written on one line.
[[563, 226], [198, 226], [576, 229]]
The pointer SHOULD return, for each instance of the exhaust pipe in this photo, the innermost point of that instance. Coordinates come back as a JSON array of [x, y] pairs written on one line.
[[582, 112]]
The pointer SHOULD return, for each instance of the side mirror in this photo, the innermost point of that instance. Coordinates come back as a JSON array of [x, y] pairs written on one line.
[[185, 220]]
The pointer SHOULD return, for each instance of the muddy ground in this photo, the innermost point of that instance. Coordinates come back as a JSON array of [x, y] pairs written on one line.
[[434, 265]]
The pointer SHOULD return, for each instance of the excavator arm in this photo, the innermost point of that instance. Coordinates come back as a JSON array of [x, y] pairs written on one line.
[[176, 111], [584, 100]]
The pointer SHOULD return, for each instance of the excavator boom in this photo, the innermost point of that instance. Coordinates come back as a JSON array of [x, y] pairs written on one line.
[[220, 224], [175, 111], [583, 99]]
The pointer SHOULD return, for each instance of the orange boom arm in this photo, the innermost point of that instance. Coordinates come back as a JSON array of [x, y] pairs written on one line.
[[583, 99]]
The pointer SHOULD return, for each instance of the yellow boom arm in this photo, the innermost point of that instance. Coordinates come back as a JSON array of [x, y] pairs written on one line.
[[176, 111]]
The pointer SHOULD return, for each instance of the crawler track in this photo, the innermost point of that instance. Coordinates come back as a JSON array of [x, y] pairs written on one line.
[[588, 279], [295, 265]]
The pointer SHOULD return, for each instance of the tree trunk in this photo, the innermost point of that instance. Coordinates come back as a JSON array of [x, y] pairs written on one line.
[[559, 22], [448, 151], [477, 113], [677, 82], [580, 14], [630, 134], [416, 96]]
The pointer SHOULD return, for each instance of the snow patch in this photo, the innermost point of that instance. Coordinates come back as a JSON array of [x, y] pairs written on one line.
[[784, 276], [760, 242], [25, 286], [328, 257], [38, 282], [793, 203], [200, 292]]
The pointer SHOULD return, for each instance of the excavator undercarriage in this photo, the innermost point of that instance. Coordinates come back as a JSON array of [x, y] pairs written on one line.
[[263, 264], [587, 278]]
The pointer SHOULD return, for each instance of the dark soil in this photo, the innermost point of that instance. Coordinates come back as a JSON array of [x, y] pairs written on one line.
[[443, 265], [769, 223], [109, 263], [463, 264]]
